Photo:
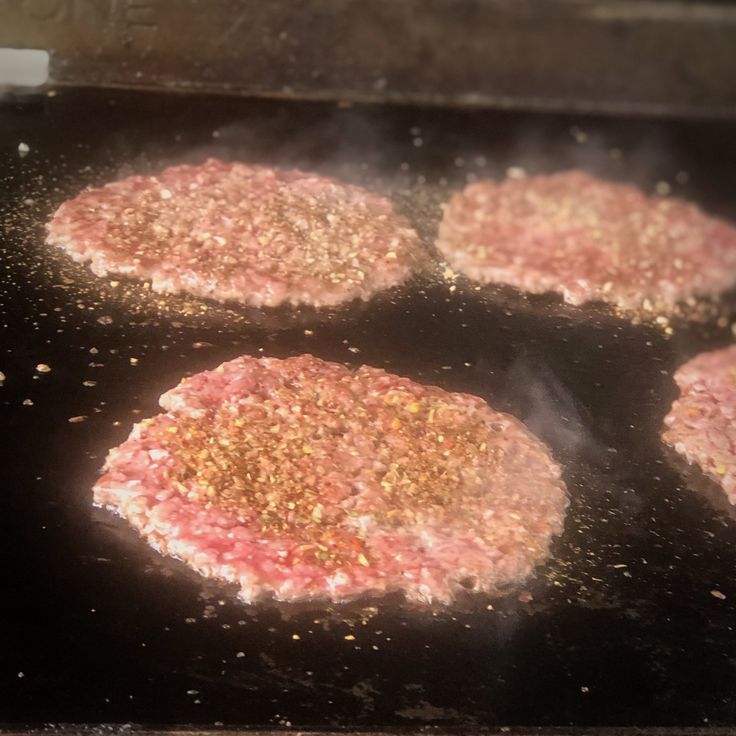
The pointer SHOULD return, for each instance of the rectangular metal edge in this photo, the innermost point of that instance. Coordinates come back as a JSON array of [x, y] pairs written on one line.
[[661, 57]]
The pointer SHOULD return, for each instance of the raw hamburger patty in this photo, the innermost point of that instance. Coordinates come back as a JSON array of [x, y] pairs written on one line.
[[588, 240], [229, 231], [306, 479], [702, 423]]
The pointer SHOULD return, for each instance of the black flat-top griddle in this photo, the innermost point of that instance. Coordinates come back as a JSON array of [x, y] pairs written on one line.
[[633, 621]]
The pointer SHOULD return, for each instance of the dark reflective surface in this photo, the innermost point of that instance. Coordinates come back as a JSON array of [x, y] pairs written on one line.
[[620, 628]]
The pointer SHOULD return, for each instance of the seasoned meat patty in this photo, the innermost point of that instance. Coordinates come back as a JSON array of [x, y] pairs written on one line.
[[229, 231], [701, 424], [588, 240], [306, 479]]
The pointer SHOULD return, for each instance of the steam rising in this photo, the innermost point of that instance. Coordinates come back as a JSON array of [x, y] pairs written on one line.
[[551, 411]]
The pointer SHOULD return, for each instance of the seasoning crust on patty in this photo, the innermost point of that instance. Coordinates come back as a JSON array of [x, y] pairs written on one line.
[[233, 232], [701, 425], [588, 240], [306, 479]]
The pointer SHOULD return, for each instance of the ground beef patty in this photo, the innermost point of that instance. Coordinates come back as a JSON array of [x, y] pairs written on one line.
[[588, 240], [229, 231], [306, 479], [702, 423]]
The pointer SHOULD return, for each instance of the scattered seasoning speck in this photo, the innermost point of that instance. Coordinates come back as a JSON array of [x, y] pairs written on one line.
[[192, 692], [134, 361], [2, 377], [27, 402], [43, 368], [240, 655], [77, 419], [295, 637], [105, 320], [584, 689], [718, 594], [23, 149], [516, 172], [349, 637], [21, 675], [89, 384]]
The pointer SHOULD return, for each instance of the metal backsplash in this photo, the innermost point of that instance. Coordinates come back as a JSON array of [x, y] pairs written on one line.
[[618, 56]]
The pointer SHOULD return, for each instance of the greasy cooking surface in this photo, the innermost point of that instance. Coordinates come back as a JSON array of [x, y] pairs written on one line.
[[631, 623]]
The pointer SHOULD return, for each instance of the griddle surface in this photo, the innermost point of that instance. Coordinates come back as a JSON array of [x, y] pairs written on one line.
[[620, 628]]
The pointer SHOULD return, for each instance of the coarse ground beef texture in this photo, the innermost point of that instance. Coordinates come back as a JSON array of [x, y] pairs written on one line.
[[229, 231], [304, 479], [701, 424], [588, 240]]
